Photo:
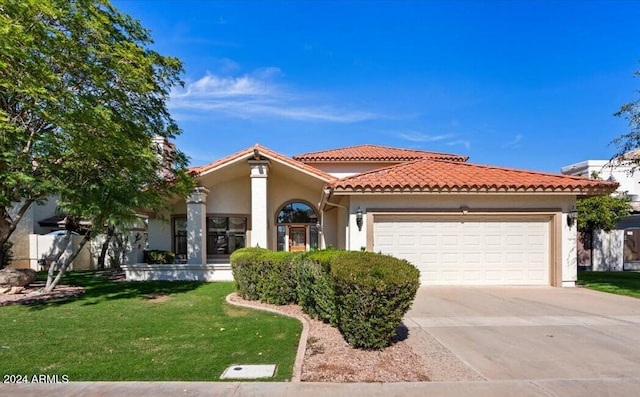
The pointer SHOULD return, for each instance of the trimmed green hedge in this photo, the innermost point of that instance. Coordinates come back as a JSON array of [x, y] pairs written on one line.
[[247, 268], [265, 275], [316, 288], [373, 293], [364, 294]]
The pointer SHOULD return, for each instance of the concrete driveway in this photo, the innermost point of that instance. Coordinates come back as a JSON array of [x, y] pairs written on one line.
[[532, 333]]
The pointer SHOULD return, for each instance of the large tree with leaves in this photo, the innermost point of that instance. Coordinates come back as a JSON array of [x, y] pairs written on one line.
[[601, 212], [82, 96], [630, 140]]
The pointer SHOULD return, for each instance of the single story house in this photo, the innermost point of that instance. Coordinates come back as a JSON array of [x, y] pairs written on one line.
[[460, 223]]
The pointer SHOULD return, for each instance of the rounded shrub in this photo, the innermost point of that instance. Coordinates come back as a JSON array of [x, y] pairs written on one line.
[[315, 286], [372, 294]]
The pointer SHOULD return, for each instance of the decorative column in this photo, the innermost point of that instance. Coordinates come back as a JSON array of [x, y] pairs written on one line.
[[259, 172], [197, 226]]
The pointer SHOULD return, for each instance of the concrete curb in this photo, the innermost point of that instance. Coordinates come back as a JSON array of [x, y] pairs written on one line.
[[302, 345]]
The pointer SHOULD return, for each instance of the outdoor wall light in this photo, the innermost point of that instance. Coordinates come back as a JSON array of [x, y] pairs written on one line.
[[572, 217], [359, 218]]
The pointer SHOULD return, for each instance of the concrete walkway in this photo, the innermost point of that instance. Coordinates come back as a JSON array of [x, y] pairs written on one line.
[[542, 388]]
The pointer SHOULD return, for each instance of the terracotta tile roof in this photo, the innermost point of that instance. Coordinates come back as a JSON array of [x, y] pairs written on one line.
[[263, 151], [447, 176], [373, 153]]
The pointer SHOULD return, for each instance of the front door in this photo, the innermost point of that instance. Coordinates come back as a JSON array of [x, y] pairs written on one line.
[[297, 238]]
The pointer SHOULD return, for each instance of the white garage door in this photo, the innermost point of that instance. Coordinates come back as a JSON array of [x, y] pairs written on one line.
[[473, 252]]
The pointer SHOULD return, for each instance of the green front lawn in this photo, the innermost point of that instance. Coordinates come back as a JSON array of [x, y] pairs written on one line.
[[621, 283], [145, 331]]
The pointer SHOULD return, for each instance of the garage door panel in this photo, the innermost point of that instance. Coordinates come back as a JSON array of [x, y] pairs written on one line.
[[483, 252]]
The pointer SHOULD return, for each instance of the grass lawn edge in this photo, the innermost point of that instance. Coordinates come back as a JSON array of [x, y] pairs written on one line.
[[612, 282], [302, 344]]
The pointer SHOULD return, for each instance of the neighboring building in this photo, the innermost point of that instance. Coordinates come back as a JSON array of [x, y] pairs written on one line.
[[459, 223], [35, 241], [620, 248]]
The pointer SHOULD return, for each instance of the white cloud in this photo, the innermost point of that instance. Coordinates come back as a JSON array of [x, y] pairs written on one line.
[[419, 137], [461, 142], [514, 143], [256, 95], [226, 65], [267, 73], [213, 86]]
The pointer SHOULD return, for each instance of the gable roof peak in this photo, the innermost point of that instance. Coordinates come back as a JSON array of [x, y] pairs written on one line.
[[374, 153], [258, 151]]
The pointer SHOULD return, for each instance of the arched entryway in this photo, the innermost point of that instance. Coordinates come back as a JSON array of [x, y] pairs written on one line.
[[297, 227]]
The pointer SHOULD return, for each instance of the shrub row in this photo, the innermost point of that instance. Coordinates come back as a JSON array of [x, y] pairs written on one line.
[[365, 295]]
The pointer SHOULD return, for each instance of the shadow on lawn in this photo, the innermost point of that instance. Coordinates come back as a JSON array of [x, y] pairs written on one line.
[[100, 287]]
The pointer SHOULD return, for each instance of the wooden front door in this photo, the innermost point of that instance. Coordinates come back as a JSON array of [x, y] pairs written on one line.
[[297, 238]]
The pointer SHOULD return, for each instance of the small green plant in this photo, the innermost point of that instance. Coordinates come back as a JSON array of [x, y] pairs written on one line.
[[156, 257]]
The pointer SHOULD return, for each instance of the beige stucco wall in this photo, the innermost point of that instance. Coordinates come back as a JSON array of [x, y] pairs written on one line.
[[29, 225], [159, 231], [230, 197]]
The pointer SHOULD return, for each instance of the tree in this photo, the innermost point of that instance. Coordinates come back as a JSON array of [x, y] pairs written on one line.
[[82, 98], [630, 140], [601, 212]]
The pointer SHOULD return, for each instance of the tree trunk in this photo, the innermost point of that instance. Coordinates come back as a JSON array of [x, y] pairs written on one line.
[[51, 284], [8, 223], [105, 246], [54, 264]]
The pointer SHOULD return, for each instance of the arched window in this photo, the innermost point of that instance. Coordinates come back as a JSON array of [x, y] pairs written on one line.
[[297, 224]]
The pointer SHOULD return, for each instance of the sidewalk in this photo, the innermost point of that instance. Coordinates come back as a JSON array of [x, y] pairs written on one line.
[[620, 387]]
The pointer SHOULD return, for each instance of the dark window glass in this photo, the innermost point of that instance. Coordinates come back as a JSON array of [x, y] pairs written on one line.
[[180, 239], [225, 234], [297, 213]]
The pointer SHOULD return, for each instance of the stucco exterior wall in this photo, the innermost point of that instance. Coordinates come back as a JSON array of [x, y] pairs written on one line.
[[329, 227], [608, 250], [159, 233], [230, 197]]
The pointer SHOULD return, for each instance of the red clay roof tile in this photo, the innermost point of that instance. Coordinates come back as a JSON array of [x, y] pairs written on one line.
[[373, 153], [437, 176]]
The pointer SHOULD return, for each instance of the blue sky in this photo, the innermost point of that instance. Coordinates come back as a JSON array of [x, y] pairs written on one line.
[[524, 84]]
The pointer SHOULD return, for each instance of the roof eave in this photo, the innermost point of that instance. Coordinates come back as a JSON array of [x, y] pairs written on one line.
[[570, 191]]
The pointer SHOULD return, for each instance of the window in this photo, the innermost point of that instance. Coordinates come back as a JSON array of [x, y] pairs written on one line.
[[225, 234], [180, 239], [296, 227], [297, 212]]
